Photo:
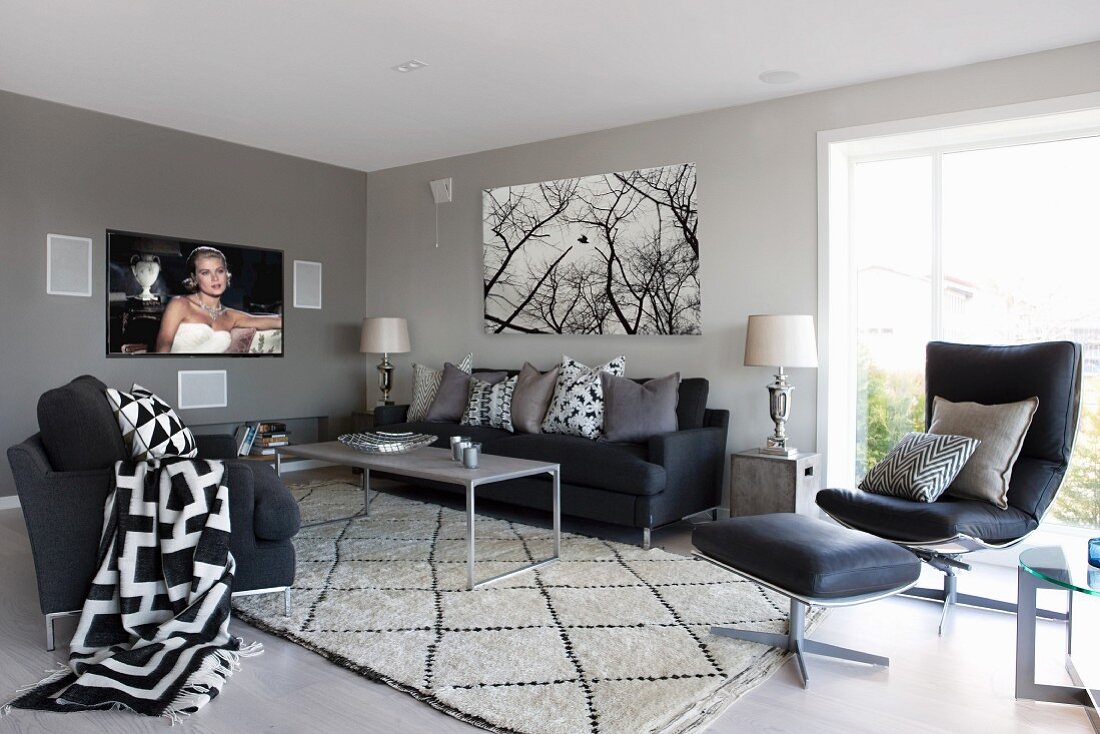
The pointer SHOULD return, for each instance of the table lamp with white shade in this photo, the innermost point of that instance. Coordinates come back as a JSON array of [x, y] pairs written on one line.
[[384, 335], [780, 341]]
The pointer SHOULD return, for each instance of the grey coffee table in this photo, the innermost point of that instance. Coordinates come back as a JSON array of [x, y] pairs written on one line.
[[436, 465]]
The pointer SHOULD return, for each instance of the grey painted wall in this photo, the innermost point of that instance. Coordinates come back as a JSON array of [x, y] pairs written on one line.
[[757, 188], [70, 171]]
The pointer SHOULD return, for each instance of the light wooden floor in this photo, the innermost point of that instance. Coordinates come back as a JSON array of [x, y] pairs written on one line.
[[962, 682]]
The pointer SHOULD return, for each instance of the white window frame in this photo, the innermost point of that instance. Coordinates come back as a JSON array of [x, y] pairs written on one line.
[[838, 151]]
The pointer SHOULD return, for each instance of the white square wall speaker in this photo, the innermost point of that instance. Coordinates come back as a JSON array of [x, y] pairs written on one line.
[[68, 265], [307, 284], [202, 389]]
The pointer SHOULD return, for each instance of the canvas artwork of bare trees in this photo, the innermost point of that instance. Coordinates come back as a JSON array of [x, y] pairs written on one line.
[[615, 253]]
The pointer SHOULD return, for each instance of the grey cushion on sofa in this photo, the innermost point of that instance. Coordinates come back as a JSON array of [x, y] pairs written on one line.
[[531, 398], [450, 399], [635, 411], [78, 428]]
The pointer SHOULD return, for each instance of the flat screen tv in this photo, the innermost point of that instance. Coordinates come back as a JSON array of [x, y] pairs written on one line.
[[168, 296]]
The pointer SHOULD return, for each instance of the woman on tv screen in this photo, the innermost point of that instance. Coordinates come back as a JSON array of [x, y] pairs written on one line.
[[198, 323]]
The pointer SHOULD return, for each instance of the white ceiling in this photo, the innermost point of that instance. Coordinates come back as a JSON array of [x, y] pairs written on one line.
[[312, 78]]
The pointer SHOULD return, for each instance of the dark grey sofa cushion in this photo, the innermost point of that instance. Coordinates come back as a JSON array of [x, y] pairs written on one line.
[[617, 467], [692, 404], [806, 556], [482, 434], [79, 431], [635, 411]]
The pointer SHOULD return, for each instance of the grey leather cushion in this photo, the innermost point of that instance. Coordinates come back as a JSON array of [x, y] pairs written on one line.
[[532, 397], [808, 557], [901, 519], [450, 399], [636, 412], [78, 428], [617, 467]]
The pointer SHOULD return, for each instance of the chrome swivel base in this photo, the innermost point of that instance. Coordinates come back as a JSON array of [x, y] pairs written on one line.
[[950, 597], [795, 641]]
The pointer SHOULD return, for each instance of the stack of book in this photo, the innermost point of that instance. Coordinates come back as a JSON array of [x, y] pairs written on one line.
[[261, 439]]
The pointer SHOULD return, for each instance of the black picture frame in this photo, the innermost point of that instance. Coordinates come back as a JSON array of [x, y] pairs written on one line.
[[134, 310]]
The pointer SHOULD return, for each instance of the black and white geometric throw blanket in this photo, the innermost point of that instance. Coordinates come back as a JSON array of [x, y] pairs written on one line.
[[154, 635]]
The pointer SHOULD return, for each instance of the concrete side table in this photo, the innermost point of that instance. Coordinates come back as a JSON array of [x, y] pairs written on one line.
[[761, 484]]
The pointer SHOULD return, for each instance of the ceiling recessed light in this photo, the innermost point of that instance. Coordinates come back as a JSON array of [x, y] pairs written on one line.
[[410, 65], [779, 76]]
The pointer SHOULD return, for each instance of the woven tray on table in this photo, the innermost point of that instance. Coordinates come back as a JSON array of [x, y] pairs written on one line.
[[382, 442]]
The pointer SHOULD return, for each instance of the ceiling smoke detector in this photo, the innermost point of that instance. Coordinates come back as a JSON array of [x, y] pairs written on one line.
[[779, 76], [410, 65]]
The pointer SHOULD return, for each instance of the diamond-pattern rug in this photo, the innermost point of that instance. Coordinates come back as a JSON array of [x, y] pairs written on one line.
[[610, 640]]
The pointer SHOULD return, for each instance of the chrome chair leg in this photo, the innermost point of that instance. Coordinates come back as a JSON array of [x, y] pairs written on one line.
[[286, 602]]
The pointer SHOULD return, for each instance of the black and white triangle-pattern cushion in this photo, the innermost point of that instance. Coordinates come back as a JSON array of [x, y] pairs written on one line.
[[920, 467], [490, 404], [150, 427], [577, 406]]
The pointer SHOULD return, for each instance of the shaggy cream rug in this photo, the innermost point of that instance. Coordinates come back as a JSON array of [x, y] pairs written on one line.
[[610, 640]]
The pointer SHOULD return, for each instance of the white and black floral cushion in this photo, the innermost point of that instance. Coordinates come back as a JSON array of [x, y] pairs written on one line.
[[426, 382], [490, 405], [577, 406], [150, 428], [920, 467]]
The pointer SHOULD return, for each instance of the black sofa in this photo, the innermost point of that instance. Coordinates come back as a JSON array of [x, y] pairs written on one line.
[[64, 473], [639, 485]]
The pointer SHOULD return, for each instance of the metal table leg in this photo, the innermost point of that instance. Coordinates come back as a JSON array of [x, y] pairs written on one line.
[[1026, 687], [470, 554]]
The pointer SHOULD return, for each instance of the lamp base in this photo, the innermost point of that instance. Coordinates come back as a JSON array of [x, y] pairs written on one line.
[[787, 453]]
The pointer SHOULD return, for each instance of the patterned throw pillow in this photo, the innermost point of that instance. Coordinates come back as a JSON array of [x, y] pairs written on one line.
[[426, 384], [150, 428], [490, 405], [920, 467], [577, 406]]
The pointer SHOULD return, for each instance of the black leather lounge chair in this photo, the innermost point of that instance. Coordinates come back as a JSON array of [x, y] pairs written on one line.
[[941, 532]]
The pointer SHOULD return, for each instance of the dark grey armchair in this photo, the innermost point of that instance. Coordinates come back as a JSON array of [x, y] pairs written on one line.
[[941, 532], [64, 473]]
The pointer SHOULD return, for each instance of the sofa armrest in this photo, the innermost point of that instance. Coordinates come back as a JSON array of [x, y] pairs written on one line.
[[216, 446], [272, 512], [694, 461], [388, 415], [64, 516]]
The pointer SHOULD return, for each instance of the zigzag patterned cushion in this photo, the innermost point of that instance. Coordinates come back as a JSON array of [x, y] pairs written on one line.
[[490, 405], [426, 381], [920, 467], [150, 428]]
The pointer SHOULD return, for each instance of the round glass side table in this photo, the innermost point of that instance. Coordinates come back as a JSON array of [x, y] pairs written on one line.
[[1049, 568]]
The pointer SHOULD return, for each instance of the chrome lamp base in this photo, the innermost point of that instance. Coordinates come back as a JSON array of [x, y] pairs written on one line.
[[385, 379], [779, 405]]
